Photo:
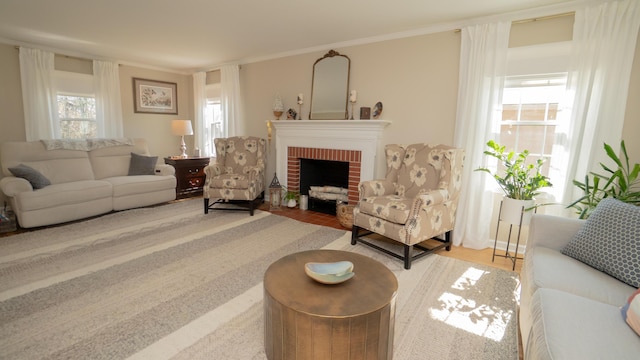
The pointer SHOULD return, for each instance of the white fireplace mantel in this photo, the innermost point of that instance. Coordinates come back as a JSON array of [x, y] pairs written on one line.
[[362, 135]]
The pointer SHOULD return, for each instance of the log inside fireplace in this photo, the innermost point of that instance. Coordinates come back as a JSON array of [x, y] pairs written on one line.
[[315, 172]]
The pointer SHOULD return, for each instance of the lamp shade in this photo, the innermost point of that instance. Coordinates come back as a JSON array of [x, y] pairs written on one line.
[[181, 127]]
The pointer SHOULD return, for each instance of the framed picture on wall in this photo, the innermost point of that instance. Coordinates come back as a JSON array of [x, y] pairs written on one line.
[[155, 97]]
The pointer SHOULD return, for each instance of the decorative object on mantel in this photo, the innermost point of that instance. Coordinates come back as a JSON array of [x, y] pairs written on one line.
[[377, 110], [300, 102], [353, 95], [329, 273], [291, 114], [278, 107], [275, 193], [365, 113], [182, 128]]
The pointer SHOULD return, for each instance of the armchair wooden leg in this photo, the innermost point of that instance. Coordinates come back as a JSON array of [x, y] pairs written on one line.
[[206, 205], [354, 234], [251, 207], [407, 257], [447, 237]]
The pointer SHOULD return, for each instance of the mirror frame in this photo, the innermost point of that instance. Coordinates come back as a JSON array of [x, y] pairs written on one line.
[[330, 54]]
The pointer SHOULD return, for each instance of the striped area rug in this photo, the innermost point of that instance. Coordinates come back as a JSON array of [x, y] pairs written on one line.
[[169, 282]]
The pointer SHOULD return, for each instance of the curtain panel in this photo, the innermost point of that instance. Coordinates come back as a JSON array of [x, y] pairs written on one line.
[[106, 83], [201, 138], [483, 64], [604, 41], [230, 101], [38, 94]]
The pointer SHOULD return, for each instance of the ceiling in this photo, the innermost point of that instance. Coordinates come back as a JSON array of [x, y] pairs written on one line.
[[190, 35]]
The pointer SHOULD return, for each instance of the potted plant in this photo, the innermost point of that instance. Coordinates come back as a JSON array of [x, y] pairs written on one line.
[[621, 183], [520, 181], [290, 198]]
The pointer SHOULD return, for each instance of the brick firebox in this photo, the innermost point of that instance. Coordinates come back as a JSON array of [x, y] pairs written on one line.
[[354, 157]]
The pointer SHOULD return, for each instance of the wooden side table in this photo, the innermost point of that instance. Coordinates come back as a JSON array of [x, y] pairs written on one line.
[[308, 320], [190, 176]]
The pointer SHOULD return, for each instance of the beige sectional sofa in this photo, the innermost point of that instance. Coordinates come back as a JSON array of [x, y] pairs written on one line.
[[571, 310], [82, 179]]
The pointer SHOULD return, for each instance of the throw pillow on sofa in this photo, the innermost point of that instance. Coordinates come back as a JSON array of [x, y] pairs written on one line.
[[631, 312], [33, 176], [610, 241], [142, 165]]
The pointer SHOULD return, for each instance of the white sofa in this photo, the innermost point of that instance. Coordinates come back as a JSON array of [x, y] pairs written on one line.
[[87, 181], [568, 309]]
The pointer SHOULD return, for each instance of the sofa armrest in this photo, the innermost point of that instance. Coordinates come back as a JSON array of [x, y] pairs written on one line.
[[376, 188], [11, 185], [165, 170], [552, 232]]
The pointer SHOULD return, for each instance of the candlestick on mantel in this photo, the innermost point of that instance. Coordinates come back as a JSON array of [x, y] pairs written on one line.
[[300, 102], [353, 95]]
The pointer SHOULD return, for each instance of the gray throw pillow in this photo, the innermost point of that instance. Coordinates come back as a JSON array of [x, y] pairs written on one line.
[[37, 180], [610, 241], [142, 165]]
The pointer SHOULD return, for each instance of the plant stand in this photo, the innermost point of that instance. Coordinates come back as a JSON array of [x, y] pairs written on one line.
[[507, 253]]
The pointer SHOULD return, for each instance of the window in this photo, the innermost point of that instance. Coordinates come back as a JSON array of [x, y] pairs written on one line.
[[76, 105], [530, 115], [77, 115], [212, 123], [530, 106]]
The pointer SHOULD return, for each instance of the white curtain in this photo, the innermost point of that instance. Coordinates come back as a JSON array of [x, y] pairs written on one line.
[[202, 139], [604, 41], [38, 94], [230, 102], [483, 63], [106, 84]]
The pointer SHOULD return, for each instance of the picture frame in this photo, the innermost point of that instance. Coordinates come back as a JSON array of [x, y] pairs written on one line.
[[155, 97]]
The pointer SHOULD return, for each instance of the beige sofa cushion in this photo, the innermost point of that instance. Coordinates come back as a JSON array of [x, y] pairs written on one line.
[[140, 184], [567, 326], [114, 161], [63, 194], [59, 166]]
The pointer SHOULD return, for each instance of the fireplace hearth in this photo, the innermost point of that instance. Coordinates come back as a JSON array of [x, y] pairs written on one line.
[[355, 142]]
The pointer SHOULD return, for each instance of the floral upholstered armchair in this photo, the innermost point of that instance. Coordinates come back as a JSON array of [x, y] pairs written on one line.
[[416, 201], [237, 176]]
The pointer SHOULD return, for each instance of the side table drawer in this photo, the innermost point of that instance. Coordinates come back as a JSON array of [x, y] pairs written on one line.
[[196, 182], [193, 171]]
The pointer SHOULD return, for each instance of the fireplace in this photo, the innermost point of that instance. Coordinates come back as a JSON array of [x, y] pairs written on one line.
[[355, 142]]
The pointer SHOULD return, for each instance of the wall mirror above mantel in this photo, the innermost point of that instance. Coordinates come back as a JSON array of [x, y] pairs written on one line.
[[330, 87]]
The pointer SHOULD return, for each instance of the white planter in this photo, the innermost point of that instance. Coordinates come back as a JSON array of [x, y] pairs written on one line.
[[291, 203], [512, 210]]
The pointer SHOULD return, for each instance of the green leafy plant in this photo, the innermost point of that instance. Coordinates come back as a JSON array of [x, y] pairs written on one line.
[[621, 183], [520, 180], [290, 195]]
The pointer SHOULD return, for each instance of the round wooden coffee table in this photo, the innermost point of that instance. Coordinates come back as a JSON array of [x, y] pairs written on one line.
[[305, 319]]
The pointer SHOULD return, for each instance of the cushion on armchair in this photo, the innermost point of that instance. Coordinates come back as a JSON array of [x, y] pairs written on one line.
[[610, 241]]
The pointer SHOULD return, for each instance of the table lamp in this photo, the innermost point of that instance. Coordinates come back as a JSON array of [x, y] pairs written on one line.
[[182, 128]]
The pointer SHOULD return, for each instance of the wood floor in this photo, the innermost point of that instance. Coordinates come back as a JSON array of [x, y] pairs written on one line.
[[476, 256]]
